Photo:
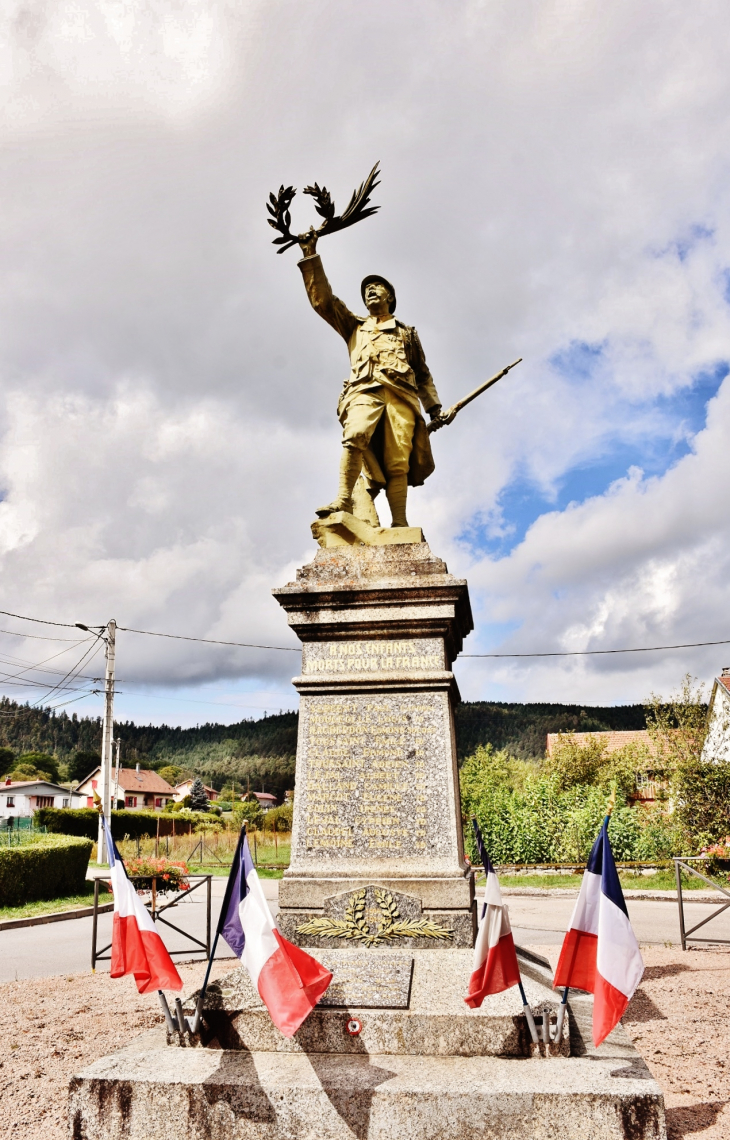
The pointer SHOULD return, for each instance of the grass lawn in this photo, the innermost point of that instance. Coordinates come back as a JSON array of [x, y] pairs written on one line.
[[218, 870], [662, 881], [53, 906]]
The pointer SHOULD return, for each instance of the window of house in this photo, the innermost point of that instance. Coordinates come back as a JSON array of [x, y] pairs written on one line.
[[158, 801], [89, 801], [95, 785], [64, 803], [10, 801], [44, 801], [131, 801]]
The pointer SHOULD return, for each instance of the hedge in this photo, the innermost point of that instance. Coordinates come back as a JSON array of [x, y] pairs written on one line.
[[135, 824], [53, 867]]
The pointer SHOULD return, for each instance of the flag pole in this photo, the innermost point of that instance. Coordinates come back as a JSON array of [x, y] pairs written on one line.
[[194, 1025], [525, 1004], [564, 1000]]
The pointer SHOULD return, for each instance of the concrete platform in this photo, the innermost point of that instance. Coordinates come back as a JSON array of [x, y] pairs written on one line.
[[428, 1070], [151, 1092]]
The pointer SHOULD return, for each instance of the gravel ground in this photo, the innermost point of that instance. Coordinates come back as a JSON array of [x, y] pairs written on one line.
[[679, 1021], [51, 1028]]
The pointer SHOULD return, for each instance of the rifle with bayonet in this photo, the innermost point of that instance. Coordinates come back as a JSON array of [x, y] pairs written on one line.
[[447, 416]]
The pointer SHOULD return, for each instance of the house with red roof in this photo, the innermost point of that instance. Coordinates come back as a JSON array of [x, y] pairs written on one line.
[[140, 788]]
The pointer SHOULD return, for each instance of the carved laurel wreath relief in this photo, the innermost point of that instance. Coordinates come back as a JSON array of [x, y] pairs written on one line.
[[355, 928]]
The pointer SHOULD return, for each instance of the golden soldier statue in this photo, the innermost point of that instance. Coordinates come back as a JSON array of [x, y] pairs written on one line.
[[383, 432], [385, 440]]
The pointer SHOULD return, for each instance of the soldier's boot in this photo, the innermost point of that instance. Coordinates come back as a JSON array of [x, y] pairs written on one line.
[[350, 466], [397, 491]]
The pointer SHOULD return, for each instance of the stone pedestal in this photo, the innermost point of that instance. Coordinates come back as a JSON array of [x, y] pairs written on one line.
[[379, 889], [376, 802]]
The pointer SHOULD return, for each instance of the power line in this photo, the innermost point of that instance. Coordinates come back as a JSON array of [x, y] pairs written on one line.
[[39, 621], [41, 637], [294, 649], [599, 652], [210, 641]]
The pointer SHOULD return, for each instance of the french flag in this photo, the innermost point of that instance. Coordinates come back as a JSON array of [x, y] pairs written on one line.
[[136, 946], [289, 981], [600, 953], [495, 958]]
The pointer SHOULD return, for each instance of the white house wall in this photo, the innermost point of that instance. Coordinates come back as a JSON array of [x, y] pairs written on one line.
[[717, 742]]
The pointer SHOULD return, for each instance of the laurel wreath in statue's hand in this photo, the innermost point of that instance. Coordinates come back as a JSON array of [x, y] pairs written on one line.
[[279, 207]]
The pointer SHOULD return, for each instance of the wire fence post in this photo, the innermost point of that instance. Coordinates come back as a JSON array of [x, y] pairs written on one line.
[[680, 902], [94, 924]]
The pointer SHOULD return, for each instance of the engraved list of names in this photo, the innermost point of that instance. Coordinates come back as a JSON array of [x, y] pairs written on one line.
[[370, 788]]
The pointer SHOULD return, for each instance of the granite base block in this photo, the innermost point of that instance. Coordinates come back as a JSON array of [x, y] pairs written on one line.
[[157, 1093], [422, 1013]]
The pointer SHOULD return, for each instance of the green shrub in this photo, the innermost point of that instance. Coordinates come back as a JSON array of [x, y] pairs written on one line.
[[251, 812], [85, 821], [48, 869], [69, 821], [279, 818], [527, 814], [224, 805]]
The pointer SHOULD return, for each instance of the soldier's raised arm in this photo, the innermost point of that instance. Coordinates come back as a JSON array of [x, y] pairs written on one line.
[[332, 310]]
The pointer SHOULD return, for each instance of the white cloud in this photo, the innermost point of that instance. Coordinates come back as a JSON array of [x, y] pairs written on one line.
[[553, 174]]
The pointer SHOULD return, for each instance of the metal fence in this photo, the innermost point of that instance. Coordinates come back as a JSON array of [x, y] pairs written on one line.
[[685, 934], [103, 954]]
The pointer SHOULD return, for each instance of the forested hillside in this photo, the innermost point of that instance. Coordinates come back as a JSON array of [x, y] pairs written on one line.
[[522, 729], [262, 751]]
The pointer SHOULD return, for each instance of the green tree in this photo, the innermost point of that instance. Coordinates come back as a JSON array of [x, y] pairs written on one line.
[[198, 798], [7, 760], [37, 765], [171, 773], [700, 791], [82, 764], [249, 811]]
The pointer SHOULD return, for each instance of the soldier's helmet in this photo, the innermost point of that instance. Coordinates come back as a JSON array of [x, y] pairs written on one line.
[[376, 278]]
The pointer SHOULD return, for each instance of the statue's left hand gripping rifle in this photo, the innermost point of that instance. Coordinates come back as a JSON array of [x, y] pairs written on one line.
[[446, 417], [358, 208]]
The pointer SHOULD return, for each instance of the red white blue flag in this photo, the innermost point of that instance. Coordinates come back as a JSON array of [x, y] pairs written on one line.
[[495, 958], [136, 946], [600, 953], [289, 980]]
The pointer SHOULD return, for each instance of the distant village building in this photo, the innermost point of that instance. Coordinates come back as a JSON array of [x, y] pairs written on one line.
[[182, 790], [21, 798], [717, 742], [649, 777], [265, 798], [138, 787]]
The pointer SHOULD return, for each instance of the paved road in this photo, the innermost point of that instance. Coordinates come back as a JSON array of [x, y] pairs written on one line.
[[65, 947], [536, 920]]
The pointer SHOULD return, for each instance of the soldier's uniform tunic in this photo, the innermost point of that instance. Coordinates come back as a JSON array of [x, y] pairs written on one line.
[[389, 380]]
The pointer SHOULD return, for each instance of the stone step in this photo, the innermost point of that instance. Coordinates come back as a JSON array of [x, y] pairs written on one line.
[[404, 1003], [152, 1092]]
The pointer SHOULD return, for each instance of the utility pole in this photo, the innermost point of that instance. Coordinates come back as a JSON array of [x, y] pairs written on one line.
[[115, 798], [107, 742]]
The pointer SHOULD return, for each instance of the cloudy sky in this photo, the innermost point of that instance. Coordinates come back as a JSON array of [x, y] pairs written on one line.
[[555, 185]]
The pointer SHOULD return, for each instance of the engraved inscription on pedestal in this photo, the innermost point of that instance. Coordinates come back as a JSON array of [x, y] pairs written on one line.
[[368, 788], [336, 657], [377, 801], [365, 981]]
